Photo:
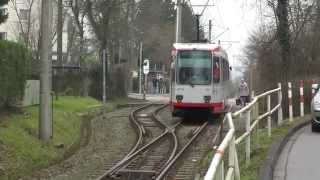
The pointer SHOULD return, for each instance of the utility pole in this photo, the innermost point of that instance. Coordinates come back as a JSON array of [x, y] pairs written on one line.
[[140, 68], [144, 86], [59, 45], [59, 32], [251, 76], [104, 96], [120, 55], [210, 30], [45, 123], [178, 21]]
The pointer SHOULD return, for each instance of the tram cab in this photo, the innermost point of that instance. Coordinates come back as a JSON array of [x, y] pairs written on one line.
[[200, 78]]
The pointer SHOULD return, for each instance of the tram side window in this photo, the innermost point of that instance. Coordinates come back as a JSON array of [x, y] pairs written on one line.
[[173, 68], [216, 70], [228, 71], [225, 70], [173, 74]]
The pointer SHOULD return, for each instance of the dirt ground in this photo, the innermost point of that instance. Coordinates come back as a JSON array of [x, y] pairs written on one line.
[[90, 161]]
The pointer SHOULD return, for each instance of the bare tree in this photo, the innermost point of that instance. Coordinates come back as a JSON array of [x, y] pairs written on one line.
[[101, 14], [79, 14], [108, 22], [283, 36], [26, 23]]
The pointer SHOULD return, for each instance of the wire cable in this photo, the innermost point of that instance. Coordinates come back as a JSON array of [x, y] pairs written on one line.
[[205, 7]]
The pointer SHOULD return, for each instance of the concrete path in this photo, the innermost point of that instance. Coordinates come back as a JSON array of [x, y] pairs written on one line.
[[300, 159], [163, 98]]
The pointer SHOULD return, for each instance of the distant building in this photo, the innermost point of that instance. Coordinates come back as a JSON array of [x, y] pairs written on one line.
[[23, 24]]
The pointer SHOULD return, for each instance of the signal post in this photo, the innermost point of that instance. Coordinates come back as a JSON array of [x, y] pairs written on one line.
[[146, 69]]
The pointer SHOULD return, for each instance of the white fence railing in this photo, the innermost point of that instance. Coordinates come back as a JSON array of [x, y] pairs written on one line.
[[230, 141]]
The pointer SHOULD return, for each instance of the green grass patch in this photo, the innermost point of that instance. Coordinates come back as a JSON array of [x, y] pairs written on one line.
[[260, 150], [21, 150]]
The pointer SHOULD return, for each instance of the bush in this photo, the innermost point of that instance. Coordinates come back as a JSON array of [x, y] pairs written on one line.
[[14, 69], [116, 79], [69, 82]]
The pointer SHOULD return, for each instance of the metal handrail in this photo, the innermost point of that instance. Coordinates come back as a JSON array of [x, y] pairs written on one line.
[[215, 171], [220, 150]]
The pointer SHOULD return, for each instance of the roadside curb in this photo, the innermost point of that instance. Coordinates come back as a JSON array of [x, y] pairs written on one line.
[[267, 169]]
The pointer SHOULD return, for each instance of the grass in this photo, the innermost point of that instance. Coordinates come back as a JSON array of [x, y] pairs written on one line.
[[259, 150], [21, 150]]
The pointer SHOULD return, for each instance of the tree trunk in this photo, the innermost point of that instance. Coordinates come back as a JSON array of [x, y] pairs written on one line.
[[284, 38]]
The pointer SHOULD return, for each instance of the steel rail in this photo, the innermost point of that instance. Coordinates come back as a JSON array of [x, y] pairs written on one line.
[[141, 128], [171, 131], [139, 141], [143, 149], [164, 171], [125, 162]]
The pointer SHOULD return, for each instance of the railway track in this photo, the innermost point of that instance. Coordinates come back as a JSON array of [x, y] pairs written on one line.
[[160, 149]]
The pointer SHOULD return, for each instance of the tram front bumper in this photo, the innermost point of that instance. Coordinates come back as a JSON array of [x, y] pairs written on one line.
[[217, 107]]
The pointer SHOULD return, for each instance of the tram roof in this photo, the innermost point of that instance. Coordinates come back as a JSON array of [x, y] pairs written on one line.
[[218, 51]]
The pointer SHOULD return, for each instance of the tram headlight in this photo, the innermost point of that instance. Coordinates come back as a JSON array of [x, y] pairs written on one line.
[[179, 98], [207, 99]]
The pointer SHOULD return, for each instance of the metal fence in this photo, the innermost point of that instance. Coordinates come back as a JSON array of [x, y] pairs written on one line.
[[230, 142]]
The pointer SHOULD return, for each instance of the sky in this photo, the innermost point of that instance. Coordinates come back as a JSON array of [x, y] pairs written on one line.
[[233, 21]]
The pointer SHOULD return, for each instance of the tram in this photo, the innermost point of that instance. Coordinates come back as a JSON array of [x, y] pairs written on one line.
[[200, 78]]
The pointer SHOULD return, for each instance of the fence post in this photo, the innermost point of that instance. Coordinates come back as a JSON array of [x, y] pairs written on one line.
[[280, 117], [248, 138], [253, 109], [269, 117], [254, 117], [301, 99], [220, 172], [290, 101], [232, 156], [236, 167]]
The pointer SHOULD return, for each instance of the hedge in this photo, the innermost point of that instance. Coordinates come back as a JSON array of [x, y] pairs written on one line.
[[14, 68]]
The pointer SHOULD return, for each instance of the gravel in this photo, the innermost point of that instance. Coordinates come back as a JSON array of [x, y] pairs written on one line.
[[112, 137], [104, 146]]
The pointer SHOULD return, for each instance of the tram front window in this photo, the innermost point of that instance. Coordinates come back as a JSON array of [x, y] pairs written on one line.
[[194, 67]]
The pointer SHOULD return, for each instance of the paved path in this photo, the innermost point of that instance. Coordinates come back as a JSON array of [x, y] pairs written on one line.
[[300, 159], [164, 98]]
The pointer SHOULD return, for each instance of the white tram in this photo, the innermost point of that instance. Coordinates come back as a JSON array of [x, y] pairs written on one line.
[[200, 78]]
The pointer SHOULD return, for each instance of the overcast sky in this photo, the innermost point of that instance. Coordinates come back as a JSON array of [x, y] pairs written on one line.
[[234, 19]]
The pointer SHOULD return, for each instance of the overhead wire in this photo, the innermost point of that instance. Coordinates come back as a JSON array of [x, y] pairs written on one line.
[[219, 13], [205, 7]]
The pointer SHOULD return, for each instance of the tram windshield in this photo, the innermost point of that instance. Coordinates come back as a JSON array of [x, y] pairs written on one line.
[[194, 67]]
